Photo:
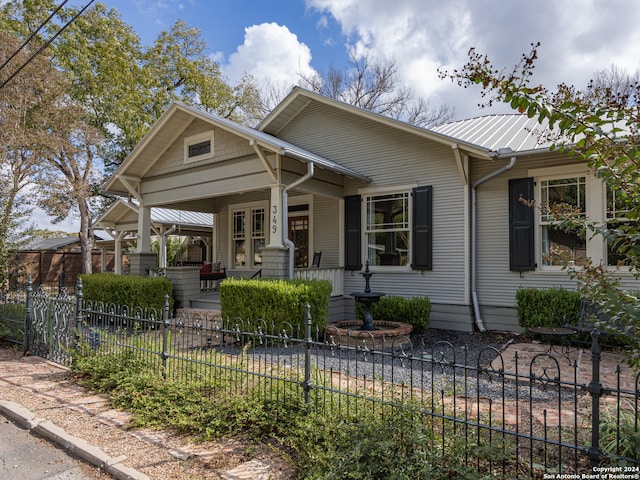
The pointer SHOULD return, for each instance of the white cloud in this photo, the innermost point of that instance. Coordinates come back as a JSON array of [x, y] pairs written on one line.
[[578, 38], [42, 221], [272, 54]]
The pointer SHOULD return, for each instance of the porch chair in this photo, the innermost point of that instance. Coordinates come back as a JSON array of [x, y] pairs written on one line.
[[316, 259]]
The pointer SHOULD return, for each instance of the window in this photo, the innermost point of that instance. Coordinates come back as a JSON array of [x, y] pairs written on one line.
[[257, 235], [198, 147], [248, 235], [395, 229], [535, 238], [616, 220], [559, 245], [387, 229]]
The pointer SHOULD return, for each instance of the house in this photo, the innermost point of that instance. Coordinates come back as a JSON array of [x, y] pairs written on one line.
[[435, 213]]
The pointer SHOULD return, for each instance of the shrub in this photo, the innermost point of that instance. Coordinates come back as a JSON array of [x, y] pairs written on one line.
[[131, 290], [415, 311], [276, 301], [547, 307]]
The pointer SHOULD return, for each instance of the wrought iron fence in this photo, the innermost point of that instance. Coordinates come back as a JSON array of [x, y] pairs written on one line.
[[536, 417], [12, 316]]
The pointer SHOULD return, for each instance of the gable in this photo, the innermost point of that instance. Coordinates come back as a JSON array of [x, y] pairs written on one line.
[[386, 155], [224, 146]]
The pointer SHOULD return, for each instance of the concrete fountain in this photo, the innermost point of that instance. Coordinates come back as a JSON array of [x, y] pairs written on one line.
[[378, 333]]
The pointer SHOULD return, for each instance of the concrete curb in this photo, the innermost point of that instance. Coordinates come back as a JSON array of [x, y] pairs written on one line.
[[74, 445]]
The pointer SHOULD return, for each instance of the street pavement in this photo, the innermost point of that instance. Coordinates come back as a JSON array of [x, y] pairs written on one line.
[[24, 456]]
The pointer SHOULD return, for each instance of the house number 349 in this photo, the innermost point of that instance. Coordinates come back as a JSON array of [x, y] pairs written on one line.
[[274, 220]]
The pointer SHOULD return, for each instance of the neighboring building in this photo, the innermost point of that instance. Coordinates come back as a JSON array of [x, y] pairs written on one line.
[[57, 262], [437, 212]]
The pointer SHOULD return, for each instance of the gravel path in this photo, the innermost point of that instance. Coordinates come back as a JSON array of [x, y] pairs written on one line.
[[436, 361]]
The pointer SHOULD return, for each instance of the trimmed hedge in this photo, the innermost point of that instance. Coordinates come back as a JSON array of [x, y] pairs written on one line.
[[547, 307], [131, 290], [415, 311], [276, 301]]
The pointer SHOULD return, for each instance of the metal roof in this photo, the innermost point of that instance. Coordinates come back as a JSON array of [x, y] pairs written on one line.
[[126, 212], [53, 243], [517, 132], [181, 217]]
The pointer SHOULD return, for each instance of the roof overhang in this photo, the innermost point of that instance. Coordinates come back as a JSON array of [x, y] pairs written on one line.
[[127, 178]]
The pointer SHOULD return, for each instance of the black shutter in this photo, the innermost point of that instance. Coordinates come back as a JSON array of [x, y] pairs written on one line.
[[352, 237], [521, 226], [422, 235]]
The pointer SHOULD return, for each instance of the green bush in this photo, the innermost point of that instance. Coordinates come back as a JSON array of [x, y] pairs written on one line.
[[12, 318], [131, 290], [276, 301], [415, 311], [547, 307]]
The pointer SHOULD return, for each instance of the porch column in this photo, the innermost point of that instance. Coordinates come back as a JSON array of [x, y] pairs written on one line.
[[207, 249], [143, 259], [275, 256], [117, 256], [103, 259], [277, 217], [144, 230]]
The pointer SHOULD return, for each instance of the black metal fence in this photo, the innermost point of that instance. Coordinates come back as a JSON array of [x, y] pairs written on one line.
[[538, 417], [12, 316]]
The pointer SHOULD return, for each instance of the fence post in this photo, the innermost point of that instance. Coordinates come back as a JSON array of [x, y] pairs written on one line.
[[79, 296], [28, 319], [596, 390], [165, 336], [306, 385]]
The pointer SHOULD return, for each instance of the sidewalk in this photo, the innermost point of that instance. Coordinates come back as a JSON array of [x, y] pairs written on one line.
[[44, 397]]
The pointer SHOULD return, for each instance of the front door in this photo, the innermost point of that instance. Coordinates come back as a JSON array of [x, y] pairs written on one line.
[[299, 235]]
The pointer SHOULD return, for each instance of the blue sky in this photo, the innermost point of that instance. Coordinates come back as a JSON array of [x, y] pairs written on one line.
[[275, 40]]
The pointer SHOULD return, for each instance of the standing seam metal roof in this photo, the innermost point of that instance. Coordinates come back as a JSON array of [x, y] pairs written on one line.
[[517, 132]]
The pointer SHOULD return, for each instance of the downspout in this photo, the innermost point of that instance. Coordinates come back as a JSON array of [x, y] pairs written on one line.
[[285, 210], [474, 230]]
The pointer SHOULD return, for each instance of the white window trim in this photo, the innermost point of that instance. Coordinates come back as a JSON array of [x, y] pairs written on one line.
[[595, 206], [375, 191], [248, 206], [194, 139]]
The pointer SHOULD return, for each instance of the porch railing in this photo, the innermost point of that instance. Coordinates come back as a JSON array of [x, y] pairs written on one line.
[[334, 275]]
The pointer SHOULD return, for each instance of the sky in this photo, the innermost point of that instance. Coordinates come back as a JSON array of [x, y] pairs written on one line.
[[276, 40]]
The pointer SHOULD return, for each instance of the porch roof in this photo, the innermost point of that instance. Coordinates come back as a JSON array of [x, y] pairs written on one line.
[[178, 117], [122, 216]]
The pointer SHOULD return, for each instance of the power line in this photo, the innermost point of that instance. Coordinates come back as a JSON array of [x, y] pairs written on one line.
[[46, 44], [32, 35]]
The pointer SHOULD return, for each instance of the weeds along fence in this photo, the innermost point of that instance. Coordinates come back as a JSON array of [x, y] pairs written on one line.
[[12, 316], [511, 418]]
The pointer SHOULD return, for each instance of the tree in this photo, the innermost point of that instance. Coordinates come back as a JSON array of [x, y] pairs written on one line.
[[29, 105], [121, 88], [599, 125], [373, 85]]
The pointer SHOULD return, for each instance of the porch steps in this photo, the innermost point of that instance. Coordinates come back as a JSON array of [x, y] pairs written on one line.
[[208, 301], [203, 312]]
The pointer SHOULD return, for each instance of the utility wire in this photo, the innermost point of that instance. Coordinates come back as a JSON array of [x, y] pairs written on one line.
[[24, 44], [46, 44]]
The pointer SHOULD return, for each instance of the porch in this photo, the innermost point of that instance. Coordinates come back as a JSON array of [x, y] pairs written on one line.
[[338, 304]]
